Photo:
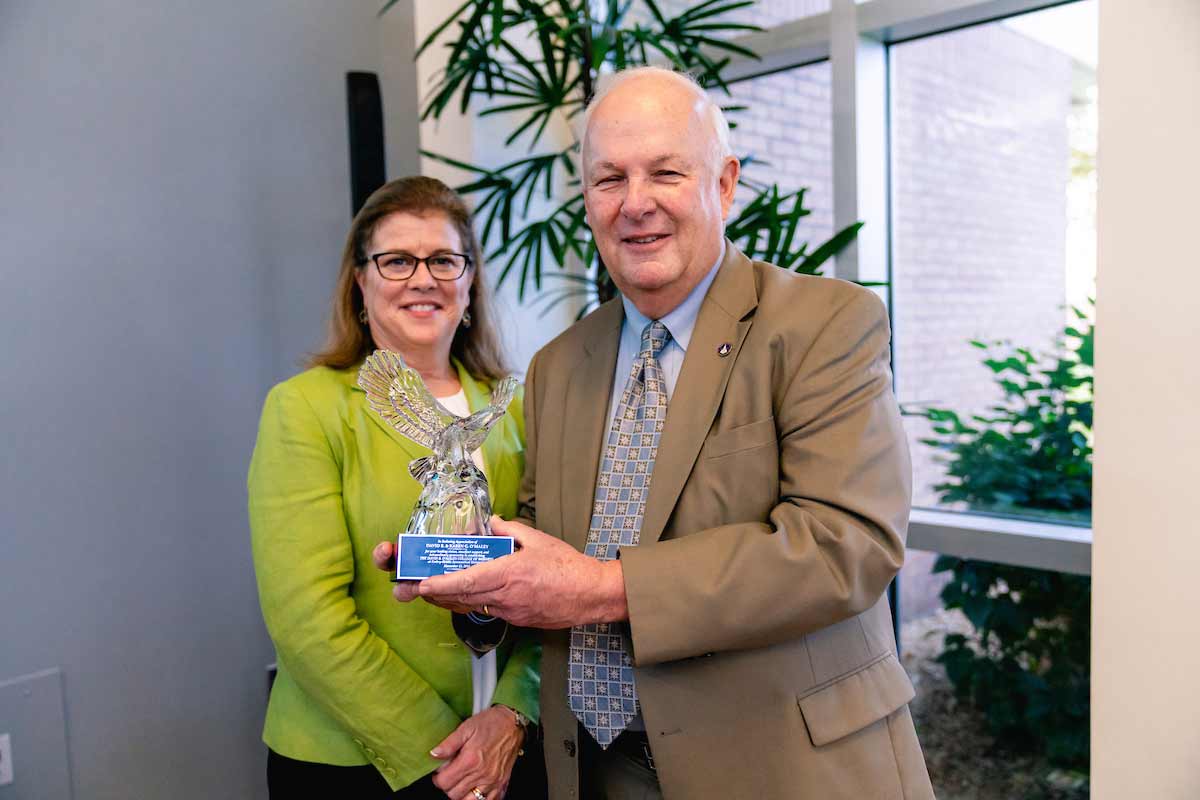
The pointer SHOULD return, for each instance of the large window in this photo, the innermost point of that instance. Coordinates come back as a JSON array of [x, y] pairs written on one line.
[[992, 165], [993, 232]]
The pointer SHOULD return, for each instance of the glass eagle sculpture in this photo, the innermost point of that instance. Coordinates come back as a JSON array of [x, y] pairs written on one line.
[[454, 491]]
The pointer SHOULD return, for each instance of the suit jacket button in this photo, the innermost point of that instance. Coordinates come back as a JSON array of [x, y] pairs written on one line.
[[569, 746]]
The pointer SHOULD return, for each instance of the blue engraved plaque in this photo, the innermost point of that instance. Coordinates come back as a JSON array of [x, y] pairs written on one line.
[[421, 557]]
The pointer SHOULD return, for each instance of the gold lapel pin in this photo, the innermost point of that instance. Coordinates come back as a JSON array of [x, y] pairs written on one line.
[[724, 349]]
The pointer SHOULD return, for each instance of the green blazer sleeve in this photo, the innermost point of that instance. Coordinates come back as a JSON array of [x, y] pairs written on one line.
[[517, 686], [305, 568]]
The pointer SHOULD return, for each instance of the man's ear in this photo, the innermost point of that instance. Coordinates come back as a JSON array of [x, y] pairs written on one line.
[[731, 169]]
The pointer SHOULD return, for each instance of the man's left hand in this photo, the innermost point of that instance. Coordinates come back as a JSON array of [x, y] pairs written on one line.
[[546, 583]]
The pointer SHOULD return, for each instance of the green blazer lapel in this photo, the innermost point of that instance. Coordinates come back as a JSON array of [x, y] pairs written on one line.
[[586, 406], [724, 319], [408, 445]]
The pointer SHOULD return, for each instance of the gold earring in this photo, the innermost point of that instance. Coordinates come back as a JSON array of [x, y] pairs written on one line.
[[362, 316], [466, 319]]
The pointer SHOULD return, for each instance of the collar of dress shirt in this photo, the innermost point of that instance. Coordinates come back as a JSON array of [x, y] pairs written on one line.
[[681, 320]]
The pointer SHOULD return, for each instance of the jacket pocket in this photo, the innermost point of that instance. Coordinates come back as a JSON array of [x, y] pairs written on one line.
[[854, 701], [743, 437]]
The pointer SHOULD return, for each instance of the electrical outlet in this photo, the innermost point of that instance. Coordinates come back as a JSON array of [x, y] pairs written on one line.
[[6, 765]]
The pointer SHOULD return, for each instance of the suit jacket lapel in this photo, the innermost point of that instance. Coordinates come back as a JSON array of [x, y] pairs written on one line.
[[588, 393], [724, 319]]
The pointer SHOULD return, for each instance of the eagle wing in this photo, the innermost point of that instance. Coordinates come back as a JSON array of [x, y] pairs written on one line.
[[479, 423], [396, 393]]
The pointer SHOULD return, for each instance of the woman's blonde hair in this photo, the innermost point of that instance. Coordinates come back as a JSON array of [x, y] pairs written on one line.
[[477, 347]]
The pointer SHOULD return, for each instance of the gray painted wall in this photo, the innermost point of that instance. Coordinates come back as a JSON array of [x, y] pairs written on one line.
[[173, 196]]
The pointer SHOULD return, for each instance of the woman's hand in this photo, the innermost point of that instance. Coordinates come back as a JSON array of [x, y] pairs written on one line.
[[479, 754]]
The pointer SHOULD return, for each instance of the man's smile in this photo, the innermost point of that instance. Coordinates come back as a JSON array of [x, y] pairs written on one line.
[[645, 242]]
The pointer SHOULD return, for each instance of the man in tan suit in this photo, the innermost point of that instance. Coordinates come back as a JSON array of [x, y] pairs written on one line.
[[716, 465]]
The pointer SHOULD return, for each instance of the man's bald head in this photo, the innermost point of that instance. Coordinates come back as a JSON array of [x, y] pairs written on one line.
[[660, 84], [658, 184]]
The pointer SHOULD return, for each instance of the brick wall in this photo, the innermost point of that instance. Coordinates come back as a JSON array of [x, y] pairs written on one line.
[[787, 128], [764, 13], [979, 175]]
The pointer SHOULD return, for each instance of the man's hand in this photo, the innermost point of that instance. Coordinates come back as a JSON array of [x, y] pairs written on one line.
[[479, 754], [546, 583]]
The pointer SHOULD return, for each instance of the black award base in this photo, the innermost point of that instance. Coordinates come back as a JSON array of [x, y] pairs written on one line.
[[480, 633]]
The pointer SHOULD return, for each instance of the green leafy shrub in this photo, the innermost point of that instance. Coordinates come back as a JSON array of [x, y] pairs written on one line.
[[1027, 664]]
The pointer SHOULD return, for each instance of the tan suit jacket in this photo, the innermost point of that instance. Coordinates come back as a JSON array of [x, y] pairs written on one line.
[[762, 641]]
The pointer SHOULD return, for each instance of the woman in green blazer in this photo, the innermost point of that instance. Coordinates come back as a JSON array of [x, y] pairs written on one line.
[[371, 696]]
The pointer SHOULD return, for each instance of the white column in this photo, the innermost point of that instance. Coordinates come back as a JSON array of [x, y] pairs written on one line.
[[1146, 556]]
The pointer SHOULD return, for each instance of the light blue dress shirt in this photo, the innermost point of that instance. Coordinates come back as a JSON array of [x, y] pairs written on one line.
[[681, 321]]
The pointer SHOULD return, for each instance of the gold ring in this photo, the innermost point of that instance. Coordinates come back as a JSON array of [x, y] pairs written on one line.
[[478, 794]]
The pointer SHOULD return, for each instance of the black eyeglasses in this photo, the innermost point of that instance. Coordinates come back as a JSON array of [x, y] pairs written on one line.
[[400, 266]]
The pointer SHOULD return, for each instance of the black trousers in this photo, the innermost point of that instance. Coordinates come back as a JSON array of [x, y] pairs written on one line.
[[612, 775], [289, 779]]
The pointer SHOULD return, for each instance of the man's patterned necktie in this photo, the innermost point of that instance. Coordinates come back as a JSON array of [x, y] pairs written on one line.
[[600, 671]]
